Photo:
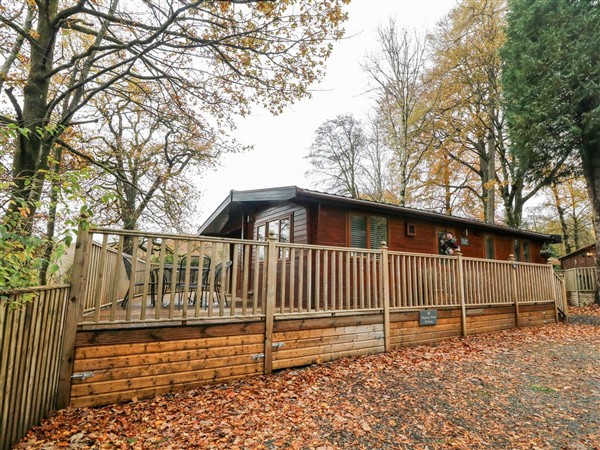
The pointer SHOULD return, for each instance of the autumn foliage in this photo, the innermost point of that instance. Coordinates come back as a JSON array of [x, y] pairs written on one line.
[[531, 388]]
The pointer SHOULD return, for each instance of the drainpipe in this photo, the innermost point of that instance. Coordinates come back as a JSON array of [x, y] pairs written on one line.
[[243, 223]]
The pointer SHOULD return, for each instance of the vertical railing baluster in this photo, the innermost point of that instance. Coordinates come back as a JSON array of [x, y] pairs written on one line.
[[282, 287]]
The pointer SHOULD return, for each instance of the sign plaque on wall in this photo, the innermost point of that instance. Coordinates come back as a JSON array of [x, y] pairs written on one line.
[[428, 317]]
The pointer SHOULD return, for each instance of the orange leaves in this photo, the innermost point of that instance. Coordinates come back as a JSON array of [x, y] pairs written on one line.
[[528, 388]]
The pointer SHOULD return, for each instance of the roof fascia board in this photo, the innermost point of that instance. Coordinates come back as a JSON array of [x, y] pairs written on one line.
[[216, 213], [264, 195], [417, 213], [254, 195]]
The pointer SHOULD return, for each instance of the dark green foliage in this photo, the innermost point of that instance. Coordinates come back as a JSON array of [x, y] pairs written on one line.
[[551, 79]]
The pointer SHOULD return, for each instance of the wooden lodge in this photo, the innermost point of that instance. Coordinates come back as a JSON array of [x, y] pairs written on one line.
[[308, 217], [304, 277], [279, 278], [582, 257]]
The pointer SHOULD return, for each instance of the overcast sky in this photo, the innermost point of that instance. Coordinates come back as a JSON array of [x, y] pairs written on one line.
[[281, 142]]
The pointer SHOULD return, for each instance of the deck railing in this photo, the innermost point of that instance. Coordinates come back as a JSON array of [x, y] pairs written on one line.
[[169, 277], [419, 280], [106, 256], [177, 278], [581, 279]]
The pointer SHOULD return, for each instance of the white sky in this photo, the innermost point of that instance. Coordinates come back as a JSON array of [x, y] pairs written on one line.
[[281, 142]]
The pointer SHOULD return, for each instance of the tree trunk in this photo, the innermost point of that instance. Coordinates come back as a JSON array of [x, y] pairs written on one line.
[[489, 188], [514, 208], [31, 152], [561, 217], [590, 158], [51, 222], [447, 189]]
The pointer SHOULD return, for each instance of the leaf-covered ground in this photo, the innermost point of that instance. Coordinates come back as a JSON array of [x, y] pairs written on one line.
[[536, 388]]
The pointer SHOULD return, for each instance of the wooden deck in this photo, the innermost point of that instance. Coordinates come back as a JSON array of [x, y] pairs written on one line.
[[294, 305], [175, 309]]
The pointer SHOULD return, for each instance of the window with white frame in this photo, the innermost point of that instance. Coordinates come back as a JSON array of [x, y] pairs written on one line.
[[281, 228]]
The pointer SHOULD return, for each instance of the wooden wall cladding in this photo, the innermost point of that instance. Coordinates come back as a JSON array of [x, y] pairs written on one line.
[[405, 329], [487, 319], [303, 342], [157, 361], [536, 315], [332, 229]]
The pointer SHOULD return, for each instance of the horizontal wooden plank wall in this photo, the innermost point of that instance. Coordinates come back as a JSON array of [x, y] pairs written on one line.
[[405, 329], [144, 362], [485, 320], [306, 341], [124, 364], [536, 315]]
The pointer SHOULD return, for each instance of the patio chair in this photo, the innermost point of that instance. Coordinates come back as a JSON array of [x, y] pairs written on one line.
[[151, 283], [218, 270], [194, 275]]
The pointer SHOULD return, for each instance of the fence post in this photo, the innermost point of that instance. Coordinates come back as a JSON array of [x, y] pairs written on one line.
[[515, 297], [565, 300], [385, 270], [461, 293], [74, 310], [553, 288], [270, 304], [578, 302]]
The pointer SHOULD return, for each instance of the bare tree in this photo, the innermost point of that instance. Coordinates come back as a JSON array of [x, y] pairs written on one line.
[[337, 154], [377, 177], [568, 200], [147, 152], [397, 75], [217, 57]]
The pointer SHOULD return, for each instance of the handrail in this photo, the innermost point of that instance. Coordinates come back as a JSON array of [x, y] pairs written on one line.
[[26, 290], [178, 237]]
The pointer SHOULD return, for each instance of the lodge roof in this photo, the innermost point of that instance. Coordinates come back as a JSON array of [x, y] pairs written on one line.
[[578, 251], [237, 201]]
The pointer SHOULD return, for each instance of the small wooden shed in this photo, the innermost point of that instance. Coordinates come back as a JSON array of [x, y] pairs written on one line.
[[580, 275], [310, 217], [583, 257]]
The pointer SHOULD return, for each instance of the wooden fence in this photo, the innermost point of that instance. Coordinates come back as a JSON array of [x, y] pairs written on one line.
[[580, 284], [582, 279], [30, 356]]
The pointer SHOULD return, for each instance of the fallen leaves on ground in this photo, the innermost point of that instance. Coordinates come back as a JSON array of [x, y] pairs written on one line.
[[587, 310], [534, 388]]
